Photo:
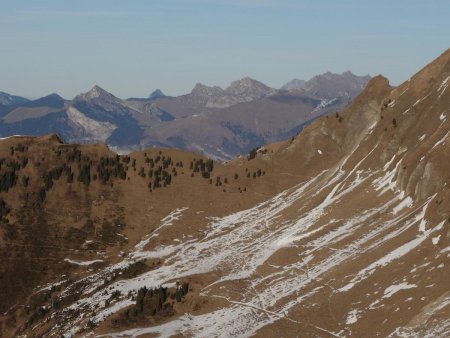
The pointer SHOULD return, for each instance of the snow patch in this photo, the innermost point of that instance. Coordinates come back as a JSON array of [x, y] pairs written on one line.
[[12, 136], [406, 203], [173, 216], [389, 291], [391, 256], [441, 141], [352, 317], [387, 182], [81, 263], [436, 239], [443, 87], [403, 92]]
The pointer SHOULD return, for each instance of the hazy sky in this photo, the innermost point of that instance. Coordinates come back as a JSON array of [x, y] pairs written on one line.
[[132, 47]]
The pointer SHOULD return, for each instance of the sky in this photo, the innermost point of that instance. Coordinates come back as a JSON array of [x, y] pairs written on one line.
[[132, 47]]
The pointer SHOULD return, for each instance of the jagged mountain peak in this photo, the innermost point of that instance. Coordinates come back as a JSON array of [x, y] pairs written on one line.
[[247, 82], [156, 94], [202, 89], [199, 86], [330, 85], [348, 73], [243, 90], [331, 75], [95, 93], [248, 89]]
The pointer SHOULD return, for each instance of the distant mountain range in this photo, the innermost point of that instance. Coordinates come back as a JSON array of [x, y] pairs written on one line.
[[220, 123]]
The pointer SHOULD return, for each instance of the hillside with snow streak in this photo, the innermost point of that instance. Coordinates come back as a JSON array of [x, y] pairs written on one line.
[[273, 267]]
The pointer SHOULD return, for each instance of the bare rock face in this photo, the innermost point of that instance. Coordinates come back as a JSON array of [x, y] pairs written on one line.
[[93, 130]]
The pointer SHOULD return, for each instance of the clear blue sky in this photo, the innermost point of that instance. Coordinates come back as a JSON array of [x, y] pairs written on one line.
[[133, 47]]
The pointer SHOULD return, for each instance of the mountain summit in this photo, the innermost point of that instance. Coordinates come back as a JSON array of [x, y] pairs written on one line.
[[239, 91], [248, 89], [96, 93], [330, 85], [156, 94]]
